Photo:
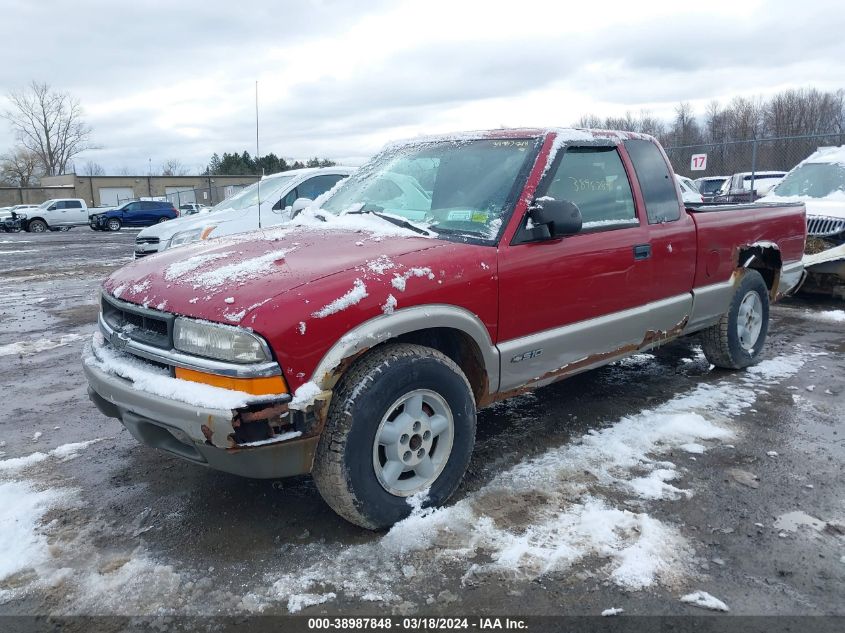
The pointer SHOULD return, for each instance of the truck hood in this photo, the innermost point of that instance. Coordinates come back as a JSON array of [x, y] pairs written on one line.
[[831, 206], [224, 279]]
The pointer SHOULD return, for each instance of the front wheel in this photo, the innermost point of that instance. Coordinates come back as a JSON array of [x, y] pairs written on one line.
[[114, 224], [37, 226], [401, 422], [737, 340]]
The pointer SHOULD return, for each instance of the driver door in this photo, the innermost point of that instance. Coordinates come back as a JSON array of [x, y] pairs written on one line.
[[570, 303]]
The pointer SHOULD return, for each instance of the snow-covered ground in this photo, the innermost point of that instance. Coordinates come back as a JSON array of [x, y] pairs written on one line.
[[586, 502]]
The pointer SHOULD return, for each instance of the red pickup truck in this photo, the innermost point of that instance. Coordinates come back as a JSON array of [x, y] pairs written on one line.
[[358, 341]]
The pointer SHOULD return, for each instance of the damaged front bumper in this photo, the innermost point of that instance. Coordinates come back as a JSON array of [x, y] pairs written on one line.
[[261, 440], [826, 271]]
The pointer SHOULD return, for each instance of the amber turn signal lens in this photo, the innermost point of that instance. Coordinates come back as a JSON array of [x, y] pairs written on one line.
[[270, 385]]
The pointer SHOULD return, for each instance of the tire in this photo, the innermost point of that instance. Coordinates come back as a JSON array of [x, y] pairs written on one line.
[[351, 466], [160, 220], [737, 340], [114, 224], [65, 229], [37, 226]]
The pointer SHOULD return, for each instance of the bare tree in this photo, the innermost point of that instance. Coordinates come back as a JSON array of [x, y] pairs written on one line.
[[19, 167], [49, 124], [90, 168], [173, 167]]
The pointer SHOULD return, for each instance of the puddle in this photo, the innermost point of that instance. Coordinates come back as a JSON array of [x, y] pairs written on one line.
[[791, 521]]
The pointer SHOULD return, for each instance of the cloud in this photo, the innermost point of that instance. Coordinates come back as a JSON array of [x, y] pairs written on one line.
[[165, 80]]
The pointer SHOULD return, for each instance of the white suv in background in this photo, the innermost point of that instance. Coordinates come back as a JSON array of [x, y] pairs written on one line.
[[240, 213]]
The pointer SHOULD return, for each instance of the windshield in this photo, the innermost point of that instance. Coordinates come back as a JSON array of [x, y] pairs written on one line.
[[45, 204], [451, 187], [248, 196], [814, 180]]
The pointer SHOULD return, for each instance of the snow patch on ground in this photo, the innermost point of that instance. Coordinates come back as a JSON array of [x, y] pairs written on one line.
[[27, 348], [552, 512], [705, 601], [827, 316], [24, 508], [64, 452]]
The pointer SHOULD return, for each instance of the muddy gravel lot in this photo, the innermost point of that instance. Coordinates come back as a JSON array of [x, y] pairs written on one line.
[[655, 485]]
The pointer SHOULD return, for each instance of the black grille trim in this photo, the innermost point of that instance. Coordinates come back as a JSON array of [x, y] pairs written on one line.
[[138, 323]]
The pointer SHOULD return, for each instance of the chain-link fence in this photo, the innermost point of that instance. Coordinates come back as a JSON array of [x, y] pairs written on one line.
[[203, 196], [754, 155]]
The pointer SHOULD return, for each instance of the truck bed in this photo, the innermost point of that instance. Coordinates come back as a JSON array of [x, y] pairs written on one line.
[[722, 231]]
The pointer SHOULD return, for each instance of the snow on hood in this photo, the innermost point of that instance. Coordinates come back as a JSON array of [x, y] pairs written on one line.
[[224, 279], [831, 206]]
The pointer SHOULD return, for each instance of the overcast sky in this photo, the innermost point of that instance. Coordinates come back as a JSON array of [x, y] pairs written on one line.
[[338, 79]]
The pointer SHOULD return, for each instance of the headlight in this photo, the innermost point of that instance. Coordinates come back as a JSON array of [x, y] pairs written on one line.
[[221, 342], [194, 235]]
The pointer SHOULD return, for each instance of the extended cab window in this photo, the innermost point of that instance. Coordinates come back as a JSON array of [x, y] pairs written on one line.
[[595, 180], [73, 204], [656, 182]]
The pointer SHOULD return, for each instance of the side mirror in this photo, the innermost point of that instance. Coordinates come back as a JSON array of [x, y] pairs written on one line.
[[553, 218], [298, 205], [52, 207]]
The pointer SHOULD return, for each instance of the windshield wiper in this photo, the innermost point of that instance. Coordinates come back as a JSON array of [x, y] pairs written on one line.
[[375, 210]]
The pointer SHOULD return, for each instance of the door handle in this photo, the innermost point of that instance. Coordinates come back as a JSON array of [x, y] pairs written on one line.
[[642, 251]]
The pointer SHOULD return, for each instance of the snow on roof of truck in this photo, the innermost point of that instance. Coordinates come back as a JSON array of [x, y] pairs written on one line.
[[306, 171], [563, 135], [832, 154]]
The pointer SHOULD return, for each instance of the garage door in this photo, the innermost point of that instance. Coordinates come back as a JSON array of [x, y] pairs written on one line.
[[180, 195], [113, 196]]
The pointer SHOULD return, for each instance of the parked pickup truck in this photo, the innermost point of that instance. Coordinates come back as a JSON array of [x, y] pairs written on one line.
[[357, 341], [56, 214]]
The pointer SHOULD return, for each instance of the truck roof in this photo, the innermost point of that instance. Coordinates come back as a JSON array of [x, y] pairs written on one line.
[[564, 134]]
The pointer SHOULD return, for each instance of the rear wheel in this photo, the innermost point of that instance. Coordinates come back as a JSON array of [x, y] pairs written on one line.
[[401, 422], [738, 338], [114, 224], [37, 226], [160, 220]]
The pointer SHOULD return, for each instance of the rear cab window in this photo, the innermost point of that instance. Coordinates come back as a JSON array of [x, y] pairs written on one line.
[[656, 181]]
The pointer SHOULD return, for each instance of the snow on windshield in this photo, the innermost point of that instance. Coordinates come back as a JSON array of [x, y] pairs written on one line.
[[821, 175], [452, 185]]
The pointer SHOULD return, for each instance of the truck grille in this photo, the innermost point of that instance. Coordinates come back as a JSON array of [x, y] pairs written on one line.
[[824, 227], [139, 324], [146, 246]]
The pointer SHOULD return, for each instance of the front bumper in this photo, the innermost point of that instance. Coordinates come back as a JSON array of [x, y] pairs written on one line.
[[201, 435]]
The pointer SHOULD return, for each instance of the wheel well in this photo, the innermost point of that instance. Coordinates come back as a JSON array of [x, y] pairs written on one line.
[[458, 346], [766, 260]]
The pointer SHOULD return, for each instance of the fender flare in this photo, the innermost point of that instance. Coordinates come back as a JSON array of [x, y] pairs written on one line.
[[415, 318]]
